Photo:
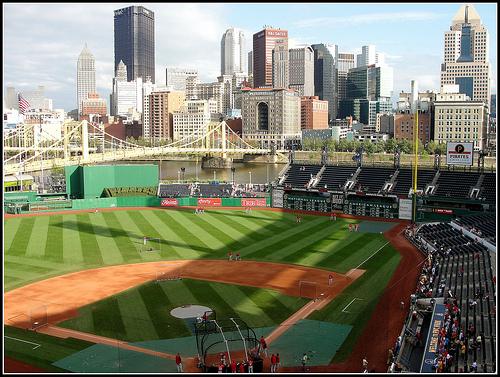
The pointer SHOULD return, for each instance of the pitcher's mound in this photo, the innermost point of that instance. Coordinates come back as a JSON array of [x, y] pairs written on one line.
[[189, 311]]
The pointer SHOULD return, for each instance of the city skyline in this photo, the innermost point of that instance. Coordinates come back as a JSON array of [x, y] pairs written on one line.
[[415, 51]]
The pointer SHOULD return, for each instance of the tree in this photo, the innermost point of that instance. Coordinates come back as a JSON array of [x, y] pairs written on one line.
[[404, 146], [390, 145], [368, 147]]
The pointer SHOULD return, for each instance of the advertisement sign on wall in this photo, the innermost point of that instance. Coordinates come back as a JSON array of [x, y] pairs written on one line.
[[255, 202], [169, 202], [211, 202], [277, 198], [459, 153], [405, 209]]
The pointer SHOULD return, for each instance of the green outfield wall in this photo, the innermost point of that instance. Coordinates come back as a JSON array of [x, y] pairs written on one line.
[[89, 182]]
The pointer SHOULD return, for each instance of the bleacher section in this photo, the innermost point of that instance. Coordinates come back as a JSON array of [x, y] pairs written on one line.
[[482, 225], [463, 275], [213, 190], [334, 177], [300, 175], [404, 181], [488, 188], [373, 179], [446, 184], [174, 190]]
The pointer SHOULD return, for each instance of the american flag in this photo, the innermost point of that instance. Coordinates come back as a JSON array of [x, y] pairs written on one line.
[[23, 104]]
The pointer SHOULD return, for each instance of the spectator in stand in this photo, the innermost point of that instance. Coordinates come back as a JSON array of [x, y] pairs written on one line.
[[390, 357]]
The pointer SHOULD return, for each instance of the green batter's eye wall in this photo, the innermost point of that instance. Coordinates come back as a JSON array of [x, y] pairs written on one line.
[[85, 182]]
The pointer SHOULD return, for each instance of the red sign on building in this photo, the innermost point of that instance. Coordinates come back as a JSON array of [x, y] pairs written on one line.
[[256, 202], [213, 202], [170, 202], [443, 211]]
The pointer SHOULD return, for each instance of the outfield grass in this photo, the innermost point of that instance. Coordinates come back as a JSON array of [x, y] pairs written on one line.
[[42, 350], [40, 247], [143, 313]]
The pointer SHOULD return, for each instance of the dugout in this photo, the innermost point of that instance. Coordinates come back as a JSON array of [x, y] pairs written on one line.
[[89, 182]]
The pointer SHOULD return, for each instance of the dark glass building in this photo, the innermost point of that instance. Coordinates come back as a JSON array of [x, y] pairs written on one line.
[[135, 41], [325, 76]]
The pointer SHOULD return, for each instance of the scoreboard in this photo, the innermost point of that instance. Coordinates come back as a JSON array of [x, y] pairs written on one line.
[[371, 206]]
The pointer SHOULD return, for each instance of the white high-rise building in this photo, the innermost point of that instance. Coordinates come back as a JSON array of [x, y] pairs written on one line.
[[85, 76], [301, 74], [128, 97], [369, 56], [147, 88], [466, 61], [233, 53], [176, 77]]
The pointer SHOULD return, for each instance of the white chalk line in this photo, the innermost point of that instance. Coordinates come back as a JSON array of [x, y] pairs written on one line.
[[25, 341], [359, 265], [355, 298]]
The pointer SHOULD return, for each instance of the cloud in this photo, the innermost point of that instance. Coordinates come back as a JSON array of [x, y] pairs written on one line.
[[42, 43], [368, 18]]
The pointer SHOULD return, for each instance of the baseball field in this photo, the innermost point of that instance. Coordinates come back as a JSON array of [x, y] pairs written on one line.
[[92, 247]]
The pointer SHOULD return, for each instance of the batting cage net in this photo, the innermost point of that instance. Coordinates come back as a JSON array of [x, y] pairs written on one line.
[[220, 341], [151, 245], [308, 289]]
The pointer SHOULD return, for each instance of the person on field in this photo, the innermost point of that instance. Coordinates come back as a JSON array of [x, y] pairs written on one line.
[[230, 255], [250, 366], [273, 363], [365, 364], [178, 361], [330, 280], [277, 363], [221, 368], [263, 345], [242, 367], [233, 366], [304, 362]]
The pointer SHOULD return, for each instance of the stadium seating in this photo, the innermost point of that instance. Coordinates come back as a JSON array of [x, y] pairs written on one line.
[[404, 180], [463, 268], [446, 184], [489, 188], [373, 179], [174, 190], [213, 190], [299, 175], [483, 225], [334, 177]]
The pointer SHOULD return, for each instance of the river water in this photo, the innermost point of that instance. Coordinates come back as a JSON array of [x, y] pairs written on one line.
[[244, 172]]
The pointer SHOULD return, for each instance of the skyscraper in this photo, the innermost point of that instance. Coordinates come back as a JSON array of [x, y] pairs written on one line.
[[85, 76], [135, 41], [302, 70], [466, 62], [263, 44], [325, 86], [281, 66], [233, 54], [345, 63]]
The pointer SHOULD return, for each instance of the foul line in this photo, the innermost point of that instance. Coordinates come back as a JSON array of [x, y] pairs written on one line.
[[359, 265], [355, 298], [25, 341]]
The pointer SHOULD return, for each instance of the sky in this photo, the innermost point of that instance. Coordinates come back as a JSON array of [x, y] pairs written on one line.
[[42, 41]]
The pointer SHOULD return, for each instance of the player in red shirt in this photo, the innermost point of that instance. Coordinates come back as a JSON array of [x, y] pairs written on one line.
[[178, 361], [277, 363], [273, 363], [233, 366], [242, 367]]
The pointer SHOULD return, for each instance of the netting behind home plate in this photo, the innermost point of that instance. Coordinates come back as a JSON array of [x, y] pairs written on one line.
[[231, 336]]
